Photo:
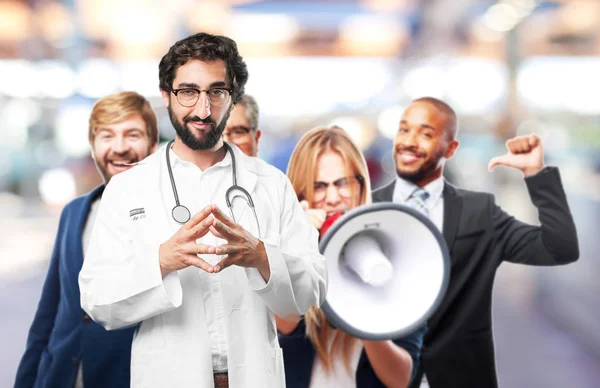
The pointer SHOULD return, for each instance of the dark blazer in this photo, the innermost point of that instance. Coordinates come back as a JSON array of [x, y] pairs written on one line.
[[61, 334], [458, 348], [299, 355]]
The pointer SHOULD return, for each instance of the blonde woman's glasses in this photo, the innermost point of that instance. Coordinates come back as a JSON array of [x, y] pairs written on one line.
[[345, 186]]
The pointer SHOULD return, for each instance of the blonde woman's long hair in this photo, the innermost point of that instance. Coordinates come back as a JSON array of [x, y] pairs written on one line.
[[302, 173]]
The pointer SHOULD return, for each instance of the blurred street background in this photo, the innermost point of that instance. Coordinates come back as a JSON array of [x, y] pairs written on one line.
[[508, 67]]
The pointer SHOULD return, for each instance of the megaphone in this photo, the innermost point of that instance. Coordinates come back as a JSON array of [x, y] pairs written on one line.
[[388, 269]]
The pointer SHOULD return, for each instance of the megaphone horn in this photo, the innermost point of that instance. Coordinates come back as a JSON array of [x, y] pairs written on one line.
[[388, 269]]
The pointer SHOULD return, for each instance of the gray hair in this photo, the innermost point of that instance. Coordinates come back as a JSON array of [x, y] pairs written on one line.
[[249, 102]]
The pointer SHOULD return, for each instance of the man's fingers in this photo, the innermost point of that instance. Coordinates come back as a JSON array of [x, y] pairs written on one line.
[[202, 249], [533, 140], [226, 262], [197, 218], [216, 233], [201, 228], [515, 146], [223, 229], [498, 161], [228, 249], [221, 216], [199, 263]]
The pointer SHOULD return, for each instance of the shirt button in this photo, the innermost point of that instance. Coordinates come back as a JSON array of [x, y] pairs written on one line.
[[86, 318], [74, 360]]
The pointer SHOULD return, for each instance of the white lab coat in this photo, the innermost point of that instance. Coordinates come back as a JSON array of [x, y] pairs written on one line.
[[121, 284]]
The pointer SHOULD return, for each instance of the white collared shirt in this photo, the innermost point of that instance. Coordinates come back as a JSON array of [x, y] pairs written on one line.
[[196, 190], [434, 204]]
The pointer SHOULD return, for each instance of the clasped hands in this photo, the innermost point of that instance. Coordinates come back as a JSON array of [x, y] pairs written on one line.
[[241, 247]]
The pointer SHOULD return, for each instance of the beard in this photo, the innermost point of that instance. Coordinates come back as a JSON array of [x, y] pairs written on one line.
[[211, 138], [429, 166]]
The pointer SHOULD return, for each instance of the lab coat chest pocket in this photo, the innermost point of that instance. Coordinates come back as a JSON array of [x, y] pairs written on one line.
[[145, 234]]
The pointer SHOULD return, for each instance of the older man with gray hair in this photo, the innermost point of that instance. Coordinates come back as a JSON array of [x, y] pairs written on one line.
[[242, 126]]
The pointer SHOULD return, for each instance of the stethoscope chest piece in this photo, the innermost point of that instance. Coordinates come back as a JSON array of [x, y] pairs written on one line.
[[181, 214]]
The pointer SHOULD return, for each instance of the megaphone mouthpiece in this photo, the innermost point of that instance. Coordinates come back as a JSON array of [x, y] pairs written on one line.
[[364, 256]]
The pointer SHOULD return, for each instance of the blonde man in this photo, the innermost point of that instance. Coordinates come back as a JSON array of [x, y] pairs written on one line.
[[65, 348]]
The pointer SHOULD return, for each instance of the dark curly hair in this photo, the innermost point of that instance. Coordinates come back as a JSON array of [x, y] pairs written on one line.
[[205, 47]]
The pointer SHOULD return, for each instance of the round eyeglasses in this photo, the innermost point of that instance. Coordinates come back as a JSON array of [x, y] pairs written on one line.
[[346, 187], [188, 97]]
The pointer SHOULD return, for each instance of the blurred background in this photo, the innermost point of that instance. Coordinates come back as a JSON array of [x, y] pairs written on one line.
[[508, 67]]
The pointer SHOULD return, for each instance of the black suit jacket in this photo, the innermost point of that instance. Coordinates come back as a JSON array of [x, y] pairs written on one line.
[[458, 349]]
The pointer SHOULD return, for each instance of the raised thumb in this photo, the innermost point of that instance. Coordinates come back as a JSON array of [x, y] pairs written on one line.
[[498, 161]]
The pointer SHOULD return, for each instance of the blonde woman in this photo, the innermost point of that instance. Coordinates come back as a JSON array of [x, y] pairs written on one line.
[[329, 175]]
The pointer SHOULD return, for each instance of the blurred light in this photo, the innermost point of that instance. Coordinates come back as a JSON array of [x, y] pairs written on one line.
[[475, 85], [388, 121], [46, 154], [134, 24], [97, 78], [56, 79], [18, 78], [582, 86], [501, 17], [387, 5], [362, 135], [16, 117], [553, 83], [372, 35], [522, 7], [425, 80], [141, 76], [539, 84], [372, 28], [55, 21], [130, 23], [15, 21], [219, 16], [262, 28], [57, 186], [282, 95], [484, 33], [71, 128], [554, 137], [581, 15]]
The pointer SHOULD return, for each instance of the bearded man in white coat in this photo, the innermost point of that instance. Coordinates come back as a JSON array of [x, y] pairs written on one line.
[[202, 279]]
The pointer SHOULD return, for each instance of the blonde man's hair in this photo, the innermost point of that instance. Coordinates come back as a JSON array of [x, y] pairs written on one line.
[[118, 107], [302, 173]]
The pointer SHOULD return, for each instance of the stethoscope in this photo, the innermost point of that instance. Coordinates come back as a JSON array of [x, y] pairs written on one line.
[[181, 214]]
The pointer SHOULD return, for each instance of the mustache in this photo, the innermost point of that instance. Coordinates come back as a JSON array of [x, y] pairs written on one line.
[[412, 149], [127, 158], [197, 119]]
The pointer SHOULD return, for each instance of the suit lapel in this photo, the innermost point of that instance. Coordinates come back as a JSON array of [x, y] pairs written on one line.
[[385, 193], [452, 210], [81, 219]]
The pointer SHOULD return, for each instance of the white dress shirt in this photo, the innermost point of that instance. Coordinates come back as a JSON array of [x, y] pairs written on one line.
[[197, 189], [434, 204], [337, 376]]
